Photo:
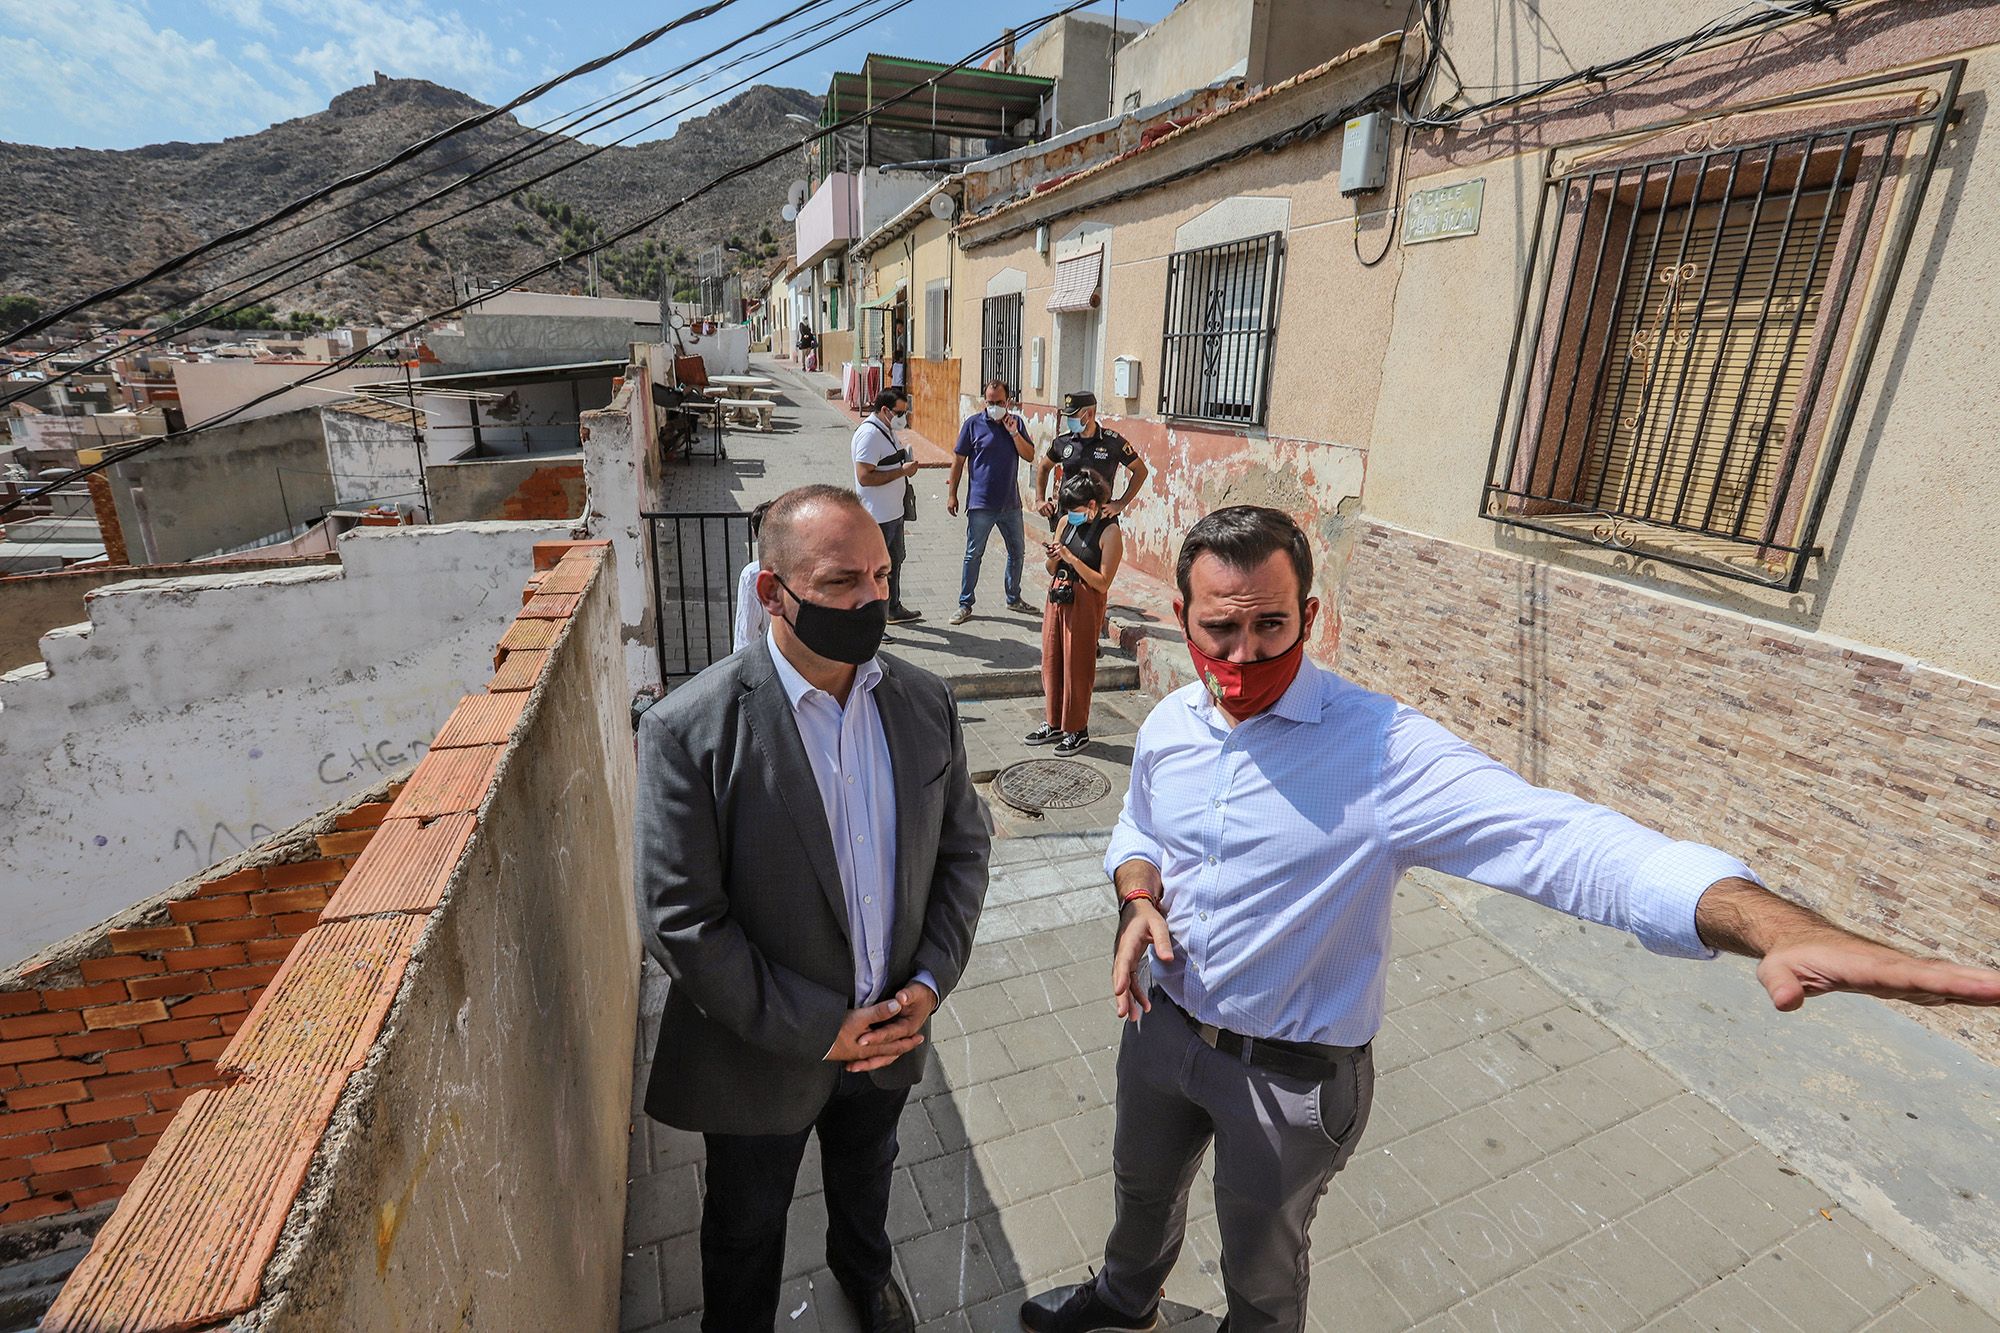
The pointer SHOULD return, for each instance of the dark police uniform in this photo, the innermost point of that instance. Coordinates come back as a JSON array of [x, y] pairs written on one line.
[[1103, 453]]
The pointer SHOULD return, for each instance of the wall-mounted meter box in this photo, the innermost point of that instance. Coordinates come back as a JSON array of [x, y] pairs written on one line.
[[1035, 362], [1364, 153], [1125, 376]]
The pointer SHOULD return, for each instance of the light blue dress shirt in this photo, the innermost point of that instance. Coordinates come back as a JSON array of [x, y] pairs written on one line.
[[849, 754], [1279, 843]]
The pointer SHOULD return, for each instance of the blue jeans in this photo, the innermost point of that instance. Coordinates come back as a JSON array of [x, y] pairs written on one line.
[[979, 525]]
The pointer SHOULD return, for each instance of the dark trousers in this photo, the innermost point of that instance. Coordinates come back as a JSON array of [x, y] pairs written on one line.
[[1278, 1141], [750, 1182], [892, 533]]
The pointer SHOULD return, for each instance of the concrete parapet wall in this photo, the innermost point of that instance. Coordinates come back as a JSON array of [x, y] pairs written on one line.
[[192, 717], [426, 1124], [33, 604]]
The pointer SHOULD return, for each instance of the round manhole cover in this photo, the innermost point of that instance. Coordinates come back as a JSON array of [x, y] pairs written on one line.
[[1035, 785]]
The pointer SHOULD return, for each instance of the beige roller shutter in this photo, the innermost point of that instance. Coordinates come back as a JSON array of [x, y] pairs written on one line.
[[1692, 378]]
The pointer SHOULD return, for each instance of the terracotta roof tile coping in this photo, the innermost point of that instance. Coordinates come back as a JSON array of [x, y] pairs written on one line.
[[321, 1013], [481, 719], [405, 869], [188, 1246], [518, 671], [449, 782]]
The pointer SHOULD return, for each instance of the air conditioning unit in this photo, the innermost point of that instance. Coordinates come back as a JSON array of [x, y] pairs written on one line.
[[829, 269]]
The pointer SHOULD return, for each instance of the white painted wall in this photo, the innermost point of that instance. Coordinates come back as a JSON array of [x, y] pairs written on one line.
[[726, 351], [547, 303], [211, 387], [191, 716]]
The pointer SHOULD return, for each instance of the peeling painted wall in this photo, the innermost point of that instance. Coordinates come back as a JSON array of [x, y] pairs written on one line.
[[191, 717]]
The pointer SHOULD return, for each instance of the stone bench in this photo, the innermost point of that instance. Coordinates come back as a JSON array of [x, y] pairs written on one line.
[[747, 410]]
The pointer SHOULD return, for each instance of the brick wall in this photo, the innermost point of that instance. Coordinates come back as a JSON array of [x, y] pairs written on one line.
[[188, 1246], [555, 491], [1866, 786], [98, 1051]]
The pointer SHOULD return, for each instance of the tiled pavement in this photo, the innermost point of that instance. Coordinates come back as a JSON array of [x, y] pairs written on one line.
[[1524, 1169]]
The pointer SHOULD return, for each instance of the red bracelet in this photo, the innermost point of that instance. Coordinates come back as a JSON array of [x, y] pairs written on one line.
[[1133, 895]]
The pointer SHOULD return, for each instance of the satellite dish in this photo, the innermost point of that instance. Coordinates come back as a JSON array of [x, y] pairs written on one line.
[[790, 213], [796, 196], [943, 206]]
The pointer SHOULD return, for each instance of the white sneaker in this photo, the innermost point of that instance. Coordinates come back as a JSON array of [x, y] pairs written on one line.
[[960, 616]]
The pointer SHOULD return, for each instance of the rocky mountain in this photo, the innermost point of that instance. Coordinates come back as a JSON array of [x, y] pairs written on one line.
[[75, 220]]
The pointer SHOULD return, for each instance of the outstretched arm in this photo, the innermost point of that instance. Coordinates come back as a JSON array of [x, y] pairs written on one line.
[[1803, 954]]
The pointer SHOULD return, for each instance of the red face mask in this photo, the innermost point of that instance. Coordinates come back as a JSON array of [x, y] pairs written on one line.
[[1246, 689]]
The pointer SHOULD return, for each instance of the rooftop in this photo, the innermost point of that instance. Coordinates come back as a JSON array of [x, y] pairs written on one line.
[[973, 102]]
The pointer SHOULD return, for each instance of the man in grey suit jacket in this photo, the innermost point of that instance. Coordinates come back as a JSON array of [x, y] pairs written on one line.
[[811, 864]]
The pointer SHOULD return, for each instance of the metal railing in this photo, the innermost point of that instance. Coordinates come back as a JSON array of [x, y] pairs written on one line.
[[1695, 327], [695, 558]]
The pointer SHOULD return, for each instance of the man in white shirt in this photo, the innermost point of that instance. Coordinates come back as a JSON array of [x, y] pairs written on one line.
[[882, 472], [751, 618], [1272, 808]]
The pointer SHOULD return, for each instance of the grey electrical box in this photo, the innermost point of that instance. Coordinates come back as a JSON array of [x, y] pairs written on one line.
[[1364, 154]]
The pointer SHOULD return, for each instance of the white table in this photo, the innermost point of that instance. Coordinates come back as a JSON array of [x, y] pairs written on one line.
[[742, 381]]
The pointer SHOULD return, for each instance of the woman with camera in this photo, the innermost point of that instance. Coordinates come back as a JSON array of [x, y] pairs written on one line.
[[1083, 559]]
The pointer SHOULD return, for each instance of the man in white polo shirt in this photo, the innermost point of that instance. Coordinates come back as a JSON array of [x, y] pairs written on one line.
[[882, 472]]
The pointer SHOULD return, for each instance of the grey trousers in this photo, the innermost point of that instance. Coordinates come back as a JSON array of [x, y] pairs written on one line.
[[1278, 1141]]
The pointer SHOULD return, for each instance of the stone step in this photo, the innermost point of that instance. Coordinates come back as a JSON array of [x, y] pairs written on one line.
[[1112, 674]]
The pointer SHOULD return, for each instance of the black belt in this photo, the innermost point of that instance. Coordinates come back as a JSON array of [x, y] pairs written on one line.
[[1295, 1059]]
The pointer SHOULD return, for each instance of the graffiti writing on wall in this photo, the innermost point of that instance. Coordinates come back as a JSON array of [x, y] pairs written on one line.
[[222, 841], [380, 758]]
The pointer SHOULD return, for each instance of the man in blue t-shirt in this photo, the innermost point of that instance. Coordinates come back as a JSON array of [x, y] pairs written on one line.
[[994, 442]]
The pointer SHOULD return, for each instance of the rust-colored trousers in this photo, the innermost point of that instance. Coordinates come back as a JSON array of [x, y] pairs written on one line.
[[1069, 658]]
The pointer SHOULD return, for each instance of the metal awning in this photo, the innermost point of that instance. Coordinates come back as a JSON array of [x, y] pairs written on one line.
[[888, 298], [1076, 281], [978, 102]]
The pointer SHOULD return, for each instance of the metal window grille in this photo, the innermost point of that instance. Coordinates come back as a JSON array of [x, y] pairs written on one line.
[[1000, 341], [1701, 328], [1221, 323], [695, 558]]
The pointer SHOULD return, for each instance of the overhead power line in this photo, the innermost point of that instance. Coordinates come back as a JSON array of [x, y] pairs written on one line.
[[395, 159], [624, 233], [204, 304], [250, 296]]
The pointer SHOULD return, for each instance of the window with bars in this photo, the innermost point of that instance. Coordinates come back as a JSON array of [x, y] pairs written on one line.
[[1221, 321], [1694, 342], [1000, 341]]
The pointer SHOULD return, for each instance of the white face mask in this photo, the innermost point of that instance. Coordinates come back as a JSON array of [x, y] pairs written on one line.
[[996, 411], [900, 420]]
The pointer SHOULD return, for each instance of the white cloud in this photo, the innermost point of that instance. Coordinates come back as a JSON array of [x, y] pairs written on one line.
[[368, 35], [247, 13], [92, 70]]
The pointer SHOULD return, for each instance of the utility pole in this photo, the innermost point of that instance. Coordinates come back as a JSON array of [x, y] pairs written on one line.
[[417, 436]]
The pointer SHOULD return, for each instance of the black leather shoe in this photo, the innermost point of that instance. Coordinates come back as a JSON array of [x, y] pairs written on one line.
[[883, 1310], [1080, 1309]]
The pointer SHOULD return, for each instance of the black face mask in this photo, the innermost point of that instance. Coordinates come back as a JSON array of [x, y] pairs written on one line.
[[849, 635]]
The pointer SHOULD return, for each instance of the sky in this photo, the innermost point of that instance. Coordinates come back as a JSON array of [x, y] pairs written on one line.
[[124, 73]]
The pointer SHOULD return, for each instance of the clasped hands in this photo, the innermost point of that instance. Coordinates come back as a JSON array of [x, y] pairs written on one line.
[[884, 1033]]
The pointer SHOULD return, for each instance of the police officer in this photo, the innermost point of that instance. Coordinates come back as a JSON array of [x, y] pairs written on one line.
[[1087, 446]]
